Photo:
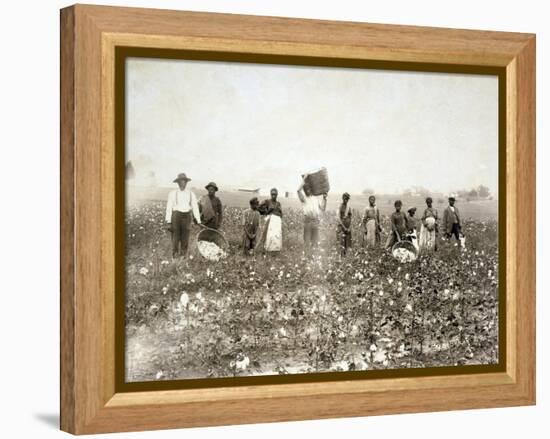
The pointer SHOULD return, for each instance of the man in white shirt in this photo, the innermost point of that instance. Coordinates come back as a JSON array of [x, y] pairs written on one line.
[[312, 207], [181, 207]]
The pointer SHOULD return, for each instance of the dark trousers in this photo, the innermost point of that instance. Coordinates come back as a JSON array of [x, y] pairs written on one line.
[[181, 226], [249, 244], [311, 234], [455, 230], [344, 239]]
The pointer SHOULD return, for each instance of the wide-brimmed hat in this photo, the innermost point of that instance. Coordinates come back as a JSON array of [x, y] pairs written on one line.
[[211, 184], [181, 176], [452, 199], [345, 195]]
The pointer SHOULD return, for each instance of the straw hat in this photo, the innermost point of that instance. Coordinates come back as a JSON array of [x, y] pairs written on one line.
[[181, 176]]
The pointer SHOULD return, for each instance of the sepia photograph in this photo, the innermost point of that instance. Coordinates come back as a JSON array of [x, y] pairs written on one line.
[[287, 219]]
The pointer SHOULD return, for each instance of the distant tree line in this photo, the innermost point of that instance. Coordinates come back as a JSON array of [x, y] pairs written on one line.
[[478, 192]]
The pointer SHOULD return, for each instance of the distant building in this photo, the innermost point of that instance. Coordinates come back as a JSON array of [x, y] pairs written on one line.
[[253, 191]]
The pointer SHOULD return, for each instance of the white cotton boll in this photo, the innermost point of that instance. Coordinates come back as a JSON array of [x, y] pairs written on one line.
[[341, 365], [373, 348], [184, 299], [159, 375], [409, 307], [243, 363]]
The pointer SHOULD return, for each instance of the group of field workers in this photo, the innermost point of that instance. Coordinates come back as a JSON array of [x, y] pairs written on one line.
[[183, 208], [421, 232]]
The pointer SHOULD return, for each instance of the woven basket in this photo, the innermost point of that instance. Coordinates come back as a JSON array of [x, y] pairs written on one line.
[[406, 245], [317, 182], [211, 235]]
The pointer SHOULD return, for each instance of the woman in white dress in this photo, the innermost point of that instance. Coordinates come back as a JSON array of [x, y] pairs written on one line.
[[272, 236], [429, 228]]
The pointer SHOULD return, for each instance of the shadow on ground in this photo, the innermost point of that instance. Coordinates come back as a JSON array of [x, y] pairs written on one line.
[[50, 419]]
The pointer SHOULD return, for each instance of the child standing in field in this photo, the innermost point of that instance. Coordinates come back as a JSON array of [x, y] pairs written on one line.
[[251, 224], [344, 225], [399, 226], [412, 226]]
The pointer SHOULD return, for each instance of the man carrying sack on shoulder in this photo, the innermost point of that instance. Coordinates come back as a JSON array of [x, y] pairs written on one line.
[[181, 208]]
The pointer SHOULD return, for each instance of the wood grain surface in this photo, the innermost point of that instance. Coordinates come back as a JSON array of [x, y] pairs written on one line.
[[89, 36]]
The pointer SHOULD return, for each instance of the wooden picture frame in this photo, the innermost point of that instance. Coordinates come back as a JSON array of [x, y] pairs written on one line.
[[90, 36]]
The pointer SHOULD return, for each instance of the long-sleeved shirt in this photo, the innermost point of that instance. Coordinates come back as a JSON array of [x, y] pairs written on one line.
[[450, 216], [430, 212], [182, 201], [269, 207], [211, 210], [251, 221], [412, 223]]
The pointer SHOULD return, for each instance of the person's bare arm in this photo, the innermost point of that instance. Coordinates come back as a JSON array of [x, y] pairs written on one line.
[[324, 202], [169, 206], [300, 190], [220, 212]]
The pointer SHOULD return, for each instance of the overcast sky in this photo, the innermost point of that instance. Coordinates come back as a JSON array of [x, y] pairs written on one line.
[[251, 125]]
